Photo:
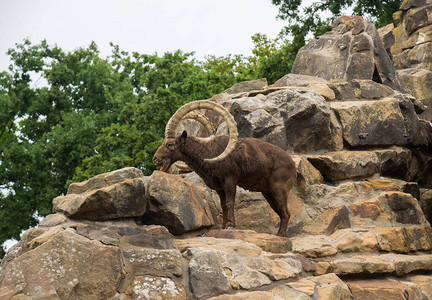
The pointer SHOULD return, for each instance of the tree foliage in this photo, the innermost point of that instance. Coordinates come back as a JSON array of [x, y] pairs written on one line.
[[67, 116]]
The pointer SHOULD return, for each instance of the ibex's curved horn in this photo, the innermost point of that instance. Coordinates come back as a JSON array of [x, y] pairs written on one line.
[[194, 115], [205, 104]]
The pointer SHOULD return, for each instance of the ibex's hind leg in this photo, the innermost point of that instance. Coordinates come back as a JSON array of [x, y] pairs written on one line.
[[278, 200]]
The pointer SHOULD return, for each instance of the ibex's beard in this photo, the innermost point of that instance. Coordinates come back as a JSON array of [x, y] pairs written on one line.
[[166, 164]]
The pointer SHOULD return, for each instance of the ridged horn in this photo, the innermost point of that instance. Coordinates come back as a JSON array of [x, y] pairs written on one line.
[[197, 116], [174, 121]]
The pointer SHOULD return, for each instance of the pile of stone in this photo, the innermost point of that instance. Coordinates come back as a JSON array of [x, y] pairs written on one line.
[[360, 230]]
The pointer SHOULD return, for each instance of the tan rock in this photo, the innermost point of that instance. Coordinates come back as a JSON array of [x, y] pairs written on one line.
[[56, 268], [304, 285], [367, 122], [342, 165], [331, 287], [178, 205], [44, 237], [425, 282], [322, 267], [372, 209], [229, 246], [311, 174], [267, 242], [158, 288], [405, 264], [104, 180], [323, 90], [313, 246], [329, 221], [391, 239], [357, 242], [258, 295], [383, 184], [120, 200], [53, 220], [364, 264], [383, 289]]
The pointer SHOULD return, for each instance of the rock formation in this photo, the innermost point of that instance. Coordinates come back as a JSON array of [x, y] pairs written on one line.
[[361, 229], [409, 41]]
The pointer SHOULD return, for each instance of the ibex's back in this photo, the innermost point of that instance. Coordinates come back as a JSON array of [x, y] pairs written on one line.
[[251, 163]]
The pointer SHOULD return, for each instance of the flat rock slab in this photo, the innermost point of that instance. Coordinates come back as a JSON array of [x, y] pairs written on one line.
[[121, 200], [267, 242]]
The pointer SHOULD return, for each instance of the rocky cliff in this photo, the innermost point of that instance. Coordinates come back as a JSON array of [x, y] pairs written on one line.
[[361, 230]]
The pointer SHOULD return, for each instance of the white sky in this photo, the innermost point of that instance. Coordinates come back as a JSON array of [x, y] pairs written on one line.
[[208, 27]]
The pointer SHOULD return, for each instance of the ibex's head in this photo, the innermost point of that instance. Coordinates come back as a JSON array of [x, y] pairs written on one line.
[[169, 151]]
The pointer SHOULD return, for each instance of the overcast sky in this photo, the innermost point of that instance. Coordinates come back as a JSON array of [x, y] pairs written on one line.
[[208, 27]]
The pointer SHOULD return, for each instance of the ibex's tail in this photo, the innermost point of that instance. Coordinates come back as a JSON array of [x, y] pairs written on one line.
[[301, 182]]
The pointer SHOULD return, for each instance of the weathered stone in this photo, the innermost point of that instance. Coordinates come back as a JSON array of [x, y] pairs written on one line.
[[405, 264], [352, 50], [120, 200], [176, 204], [299, 80], [425, 282], [418, 57], [405, 208], [372, 123], [253, 212], [310, 173], [343, 90], [329, 221], [356, 242], [284, 292], [369, 89], [304, 285], [426, 203], [158, 288], [247, 86], [56, 268], [417, 18], [267, 242], [372, 208], [275, 267], [142, 261], [206, 275], [52, 220], [331, 287], [418, 82], [258, 295], [362, 264], [323, 90], [188, 247], [342, 165], [384, 289], [313, 246], [298, 119], [104, 180], [254, 121], [391, 239], [394, 162]]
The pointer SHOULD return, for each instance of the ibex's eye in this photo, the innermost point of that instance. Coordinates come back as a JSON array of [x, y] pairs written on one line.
[[170, 145]]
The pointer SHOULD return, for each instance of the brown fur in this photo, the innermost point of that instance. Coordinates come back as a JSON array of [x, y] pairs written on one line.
[[254, 165]]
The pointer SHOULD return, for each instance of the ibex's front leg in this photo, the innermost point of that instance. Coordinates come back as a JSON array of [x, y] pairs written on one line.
[[227, 197]]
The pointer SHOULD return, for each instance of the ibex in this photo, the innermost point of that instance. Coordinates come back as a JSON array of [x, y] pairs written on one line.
[[224, 162]]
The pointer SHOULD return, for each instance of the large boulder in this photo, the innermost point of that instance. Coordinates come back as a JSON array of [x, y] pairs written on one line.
[[176, 204], [67, 266], [120, 200], [352, 50], [296, 119]]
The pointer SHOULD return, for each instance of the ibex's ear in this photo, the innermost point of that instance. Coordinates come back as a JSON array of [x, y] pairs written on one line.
[[183, 137]]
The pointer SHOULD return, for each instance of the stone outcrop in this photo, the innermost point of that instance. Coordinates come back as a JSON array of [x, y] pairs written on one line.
[[409, 41], [360, 230]]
